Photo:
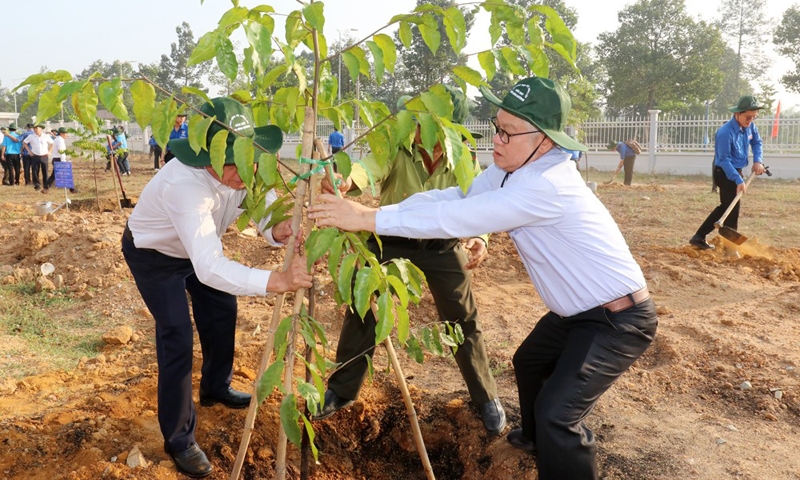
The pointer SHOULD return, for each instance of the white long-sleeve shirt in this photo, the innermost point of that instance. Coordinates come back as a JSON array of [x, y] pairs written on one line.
[[183, 213], [572, 248], [59, 149]]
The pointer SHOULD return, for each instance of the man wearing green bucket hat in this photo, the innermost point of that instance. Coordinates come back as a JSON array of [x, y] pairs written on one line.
[[601, 317], [446, 265], [172, 245], [731, 144]]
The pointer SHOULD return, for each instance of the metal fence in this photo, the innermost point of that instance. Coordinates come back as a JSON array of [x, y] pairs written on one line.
[[674, 134]]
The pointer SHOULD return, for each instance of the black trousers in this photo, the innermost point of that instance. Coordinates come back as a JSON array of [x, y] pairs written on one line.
[[562, 368], [163, 282], [6, 172], [13, 161], [627, 165], [26, 167], [727, 192], [157, 157], [443, 262], [39, 165]]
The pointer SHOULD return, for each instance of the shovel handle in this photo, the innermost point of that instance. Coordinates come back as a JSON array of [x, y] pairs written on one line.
[[719, 222]]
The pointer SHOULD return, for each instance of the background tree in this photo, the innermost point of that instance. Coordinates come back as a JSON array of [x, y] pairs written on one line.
[[745, 27], [580, 84], [421, 67], [787, 38], [174, 69], [660, 57]]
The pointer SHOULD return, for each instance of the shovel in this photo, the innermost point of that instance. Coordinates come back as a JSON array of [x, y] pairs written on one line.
[[728, 232], [124, 202], [613, 176]]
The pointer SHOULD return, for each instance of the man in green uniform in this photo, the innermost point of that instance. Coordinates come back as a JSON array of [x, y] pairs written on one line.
[[446, 265]]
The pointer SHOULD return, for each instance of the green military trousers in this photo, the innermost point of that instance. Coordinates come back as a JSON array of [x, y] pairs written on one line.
[[442, 262]]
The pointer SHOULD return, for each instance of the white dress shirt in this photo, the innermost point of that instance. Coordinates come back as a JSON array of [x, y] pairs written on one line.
[[39, 144], [59, 148], [183, 213], [572, 248]]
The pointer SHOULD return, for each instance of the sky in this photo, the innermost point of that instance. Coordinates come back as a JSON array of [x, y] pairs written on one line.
[[76, 33]]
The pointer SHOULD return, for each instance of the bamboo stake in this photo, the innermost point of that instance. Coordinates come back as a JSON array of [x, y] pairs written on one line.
[[412, 413], [297, 214]]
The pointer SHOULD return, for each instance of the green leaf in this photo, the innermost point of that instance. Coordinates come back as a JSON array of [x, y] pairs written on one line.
[[311, 436], [268, 169], [226, 59], [84, 104], [198, 131], [346, 276], [300, 73], [110, 94], [414, 351], [438, 101], [512, 60], [538, 62], [163, 119], [389, 49], [269, 380], [32, 79], [343, 163], [282, 337], [404, 125], [367, 281], [385, 320], [464, 169], [495, 28], [379, 145], [273, 75], [430, 32], [564, 54], [559, 31], [486, 59], [399, 288], [243, 156], [69, 88], [260, 38], [318, 243], [428, 128], [405, 34], [377, 57], [47, 103], [233, 16], [535, 32], [456, 28], [205, 49], [471, 76], [144, 98], [217, 151], [352, 64], [289, 417], [403, 324], [335, 254], [314, 16]]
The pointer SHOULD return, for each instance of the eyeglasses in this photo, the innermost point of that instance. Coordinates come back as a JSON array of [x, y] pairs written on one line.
[[749, 118], [505, 137]]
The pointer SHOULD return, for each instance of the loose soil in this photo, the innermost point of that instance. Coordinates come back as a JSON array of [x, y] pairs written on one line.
[[726, 317]]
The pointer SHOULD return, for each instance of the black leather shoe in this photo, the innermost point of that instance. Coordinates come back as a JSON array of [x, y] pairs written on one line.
[[700, 242], [494, 417], [192, 462], [333, 403], [231, 399], [518, 440]]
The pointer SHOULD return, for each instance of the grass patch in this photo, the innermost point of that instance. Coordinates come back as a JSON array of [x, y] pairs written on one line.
[[50, 327]]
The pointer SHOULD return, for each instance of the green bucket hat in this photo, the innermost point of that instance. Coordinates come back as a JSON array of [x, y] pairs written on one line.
[[541, 102], [12, 127], [460, 107], [746, 103], [238, 117], [611, 145], [62, 130]]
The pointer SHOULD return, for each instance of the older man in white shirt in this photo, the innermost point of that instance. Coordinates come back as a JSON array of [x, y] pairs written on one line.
[[38, 145]]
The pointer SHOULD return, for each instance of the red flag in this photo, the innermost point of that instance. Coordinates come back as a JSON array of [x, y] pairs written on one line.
[[776, 121]]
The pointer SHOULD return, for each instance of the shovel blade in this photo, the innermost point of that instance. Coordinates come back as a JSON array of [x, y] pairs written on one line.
[[732, 235]]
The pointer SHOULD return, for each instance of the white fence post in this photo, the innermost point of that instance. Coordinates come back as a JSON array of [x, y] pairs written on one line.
[[651, 153]]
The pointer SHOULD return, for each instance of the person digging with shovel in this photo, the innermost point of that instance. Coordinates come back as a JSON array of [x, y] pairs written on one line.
[[731, 144]]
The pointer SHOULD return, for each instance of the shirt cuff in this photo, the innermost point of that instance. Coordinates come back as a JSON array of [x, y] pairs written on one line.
[[258, 280]]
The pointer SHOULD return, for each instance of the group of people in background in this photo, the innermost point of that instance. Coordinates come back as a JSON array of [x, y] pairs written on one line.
[[179, 130], [27, 156]]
